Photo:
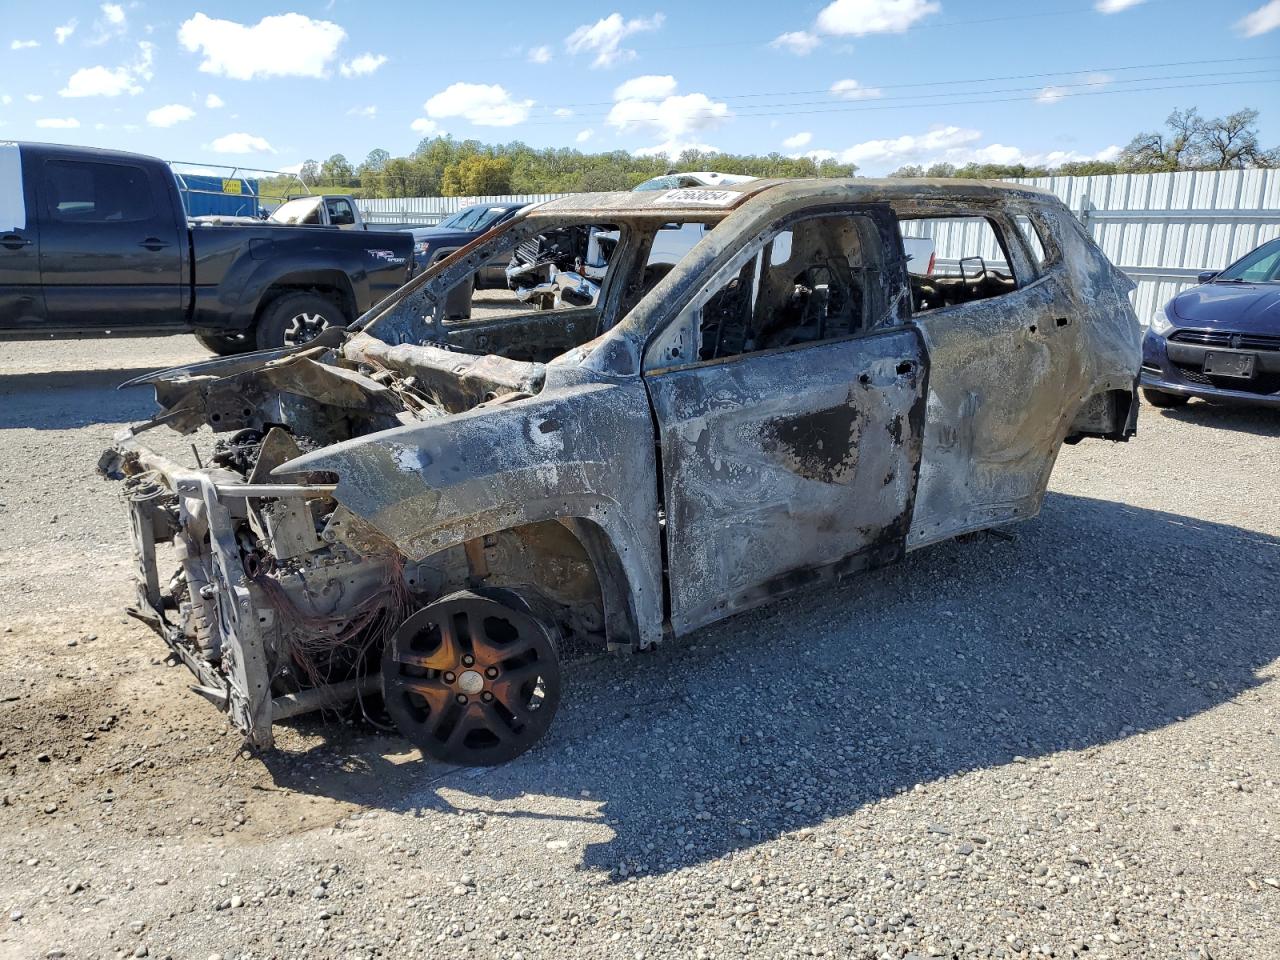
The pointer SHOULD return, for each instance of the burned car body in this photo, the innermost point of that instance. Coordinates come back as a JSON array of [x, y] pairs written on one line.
[[430, 501]]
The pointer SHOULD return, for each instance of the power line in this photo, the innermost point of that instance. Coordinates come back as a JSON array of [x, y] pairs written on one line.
[[927, 25], [831, 108], [939, 83]]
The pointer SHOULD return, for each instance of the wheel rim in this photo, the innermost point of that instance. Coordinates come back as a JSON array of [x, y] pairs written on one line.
[[472, 681], [303, 328]]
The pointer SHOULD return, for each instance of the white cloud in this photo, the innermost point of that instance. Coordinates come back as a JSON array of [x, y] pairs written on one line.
[[909, 148], [796, 141], [800, 42], [604, 38], [111, 82], [673, 117], [540, 55], [110, 25], [562, 112], [287, 45], [169, 115], [33, 97], [1115, 6], [241, 143], [1263, 20], [853, 90], [584, 135], [362, 65], [5, 99], [424, 126], [213, 102], [370, 112], [648, 87], [1050, 95], [24, 44], [56, 123], [294, 168], [484, 104], [856, 18], [950, 144], [66, 30]]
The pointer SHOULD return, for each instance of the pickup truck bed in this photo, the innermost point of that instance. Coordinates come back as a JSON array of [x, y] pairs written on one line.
[[96, 242]]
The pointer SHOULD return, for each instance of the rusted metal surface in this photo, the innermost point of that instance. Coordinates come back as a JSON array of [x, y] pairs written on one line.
[[601, 454]]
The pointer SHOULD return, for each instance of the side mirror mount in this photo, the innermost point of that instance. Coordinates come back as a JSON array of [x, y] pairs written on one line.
[[1204, 276]]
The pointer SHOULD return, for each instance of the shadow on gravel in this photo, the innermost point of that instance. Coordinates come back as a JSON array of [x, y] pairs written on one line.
[[1098, 621], [66, 399], [1259, 421]]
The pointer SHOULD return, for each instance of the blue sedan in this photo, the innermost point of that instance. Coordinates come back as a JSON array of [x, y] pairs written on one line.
[[1220, 340]]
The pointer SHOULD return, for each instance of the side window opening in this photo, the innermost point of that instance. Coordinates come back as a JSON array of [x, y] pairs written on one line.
[[563, 268], [1031, 233], [817, 280], [77, 191], [340, 213], [969, 261]]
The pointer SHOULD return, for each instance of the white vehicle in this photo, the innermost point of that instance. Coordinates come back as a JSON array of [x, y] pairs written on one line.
[[321, 210]]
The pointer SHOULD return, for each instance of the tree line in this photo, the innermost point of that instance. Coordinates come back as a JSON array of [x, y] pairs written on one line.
[[443, 166]]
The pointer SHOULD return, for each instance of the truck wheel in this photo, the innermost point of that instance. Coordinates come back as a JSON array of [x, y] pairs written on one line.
[[1158, 398], [297, 318], [227, 344], [474, 678]]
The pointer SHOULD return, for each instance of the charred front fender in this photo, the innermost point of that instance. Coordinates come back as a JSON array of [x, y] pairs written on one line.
[[578, 452]]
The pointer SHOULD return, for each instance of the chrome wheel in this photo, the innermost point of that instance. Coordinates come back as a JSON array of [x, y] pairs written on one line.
[[473, 679]]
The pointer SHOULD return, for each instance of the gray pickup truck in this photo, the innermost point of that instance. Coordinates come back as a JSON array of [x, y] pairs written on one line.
[[96, 243]]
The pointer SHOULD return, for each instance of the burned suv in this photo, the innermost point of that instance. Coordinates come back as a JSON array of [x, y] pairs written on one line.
[[428, 504]]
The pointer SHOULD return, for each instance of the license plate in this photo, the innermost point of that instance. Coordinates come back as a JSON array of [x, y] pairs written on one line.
[[1229, 364]]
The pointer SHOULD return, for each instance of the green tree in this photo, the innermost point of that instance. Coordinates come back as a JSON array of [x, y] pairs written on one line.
[[477, 176], [337, 171]]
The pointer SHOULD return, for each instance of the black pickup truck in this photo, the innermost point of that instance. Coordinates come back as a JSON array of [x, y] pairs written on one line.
[[96, 242]]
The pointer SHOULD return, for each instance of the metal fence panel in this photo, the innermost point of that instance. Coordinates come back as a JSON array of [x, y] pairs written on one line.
[[1161, 229]]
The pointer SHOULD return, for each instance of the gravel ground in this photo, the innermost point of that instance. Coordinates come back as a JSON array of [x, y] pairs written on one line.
[[1060, 745]]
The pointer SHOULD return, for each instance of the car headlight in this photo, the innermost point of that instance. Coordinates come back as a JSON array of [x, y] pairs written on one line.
[[1160, 324]]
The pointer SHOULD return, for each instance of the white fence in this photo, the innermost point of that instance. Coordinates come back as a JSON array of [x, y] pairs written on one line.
[[1159, 228], [426, 211]]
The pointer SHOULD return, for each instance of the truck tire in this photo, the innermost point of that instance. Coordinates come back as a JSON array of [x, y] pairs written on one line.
[[228, 344], [297, 318]]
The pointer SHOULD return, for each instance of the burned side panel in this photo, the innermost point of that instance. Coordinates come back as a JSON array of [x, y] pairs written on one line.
[[1008, 376], [581, 452], [780, 468]]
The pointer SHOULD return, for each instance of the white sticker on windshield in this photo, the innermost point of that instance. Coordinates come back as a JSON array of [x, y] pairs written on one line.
[[696, 197]]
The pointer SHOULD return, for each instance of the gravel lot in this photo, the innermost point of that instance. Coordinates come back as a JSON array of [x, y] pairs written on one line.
[[1060, 745]]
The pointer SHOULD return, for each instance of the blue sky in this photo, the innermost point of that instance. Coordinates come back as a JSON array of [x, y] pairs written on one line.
[[876, 82]]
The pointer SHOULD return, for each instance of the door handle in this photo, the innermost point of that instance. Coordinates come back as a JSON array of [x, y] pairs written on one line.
[[12, 241], [153, 243]]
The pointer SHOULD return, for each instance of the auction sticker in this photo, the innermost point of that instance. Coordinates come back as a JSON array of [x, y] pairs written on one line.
[[695, 197]]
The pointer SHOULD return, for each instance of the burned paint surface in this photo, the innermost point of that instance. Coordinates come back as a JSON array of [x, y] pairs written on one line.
[[587, 454], [822, 445]]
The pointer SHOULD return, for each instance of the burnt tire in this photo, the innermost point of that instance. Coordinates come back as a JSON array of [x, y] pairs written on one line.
[[474, 678], [297, 318], [228, 344], [1158, 398]]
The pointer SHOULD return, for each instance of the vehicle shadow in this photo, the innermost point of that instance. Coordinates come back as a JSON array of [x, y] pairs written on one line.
[[1258, 421], [66, 399], [1085, 629]]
